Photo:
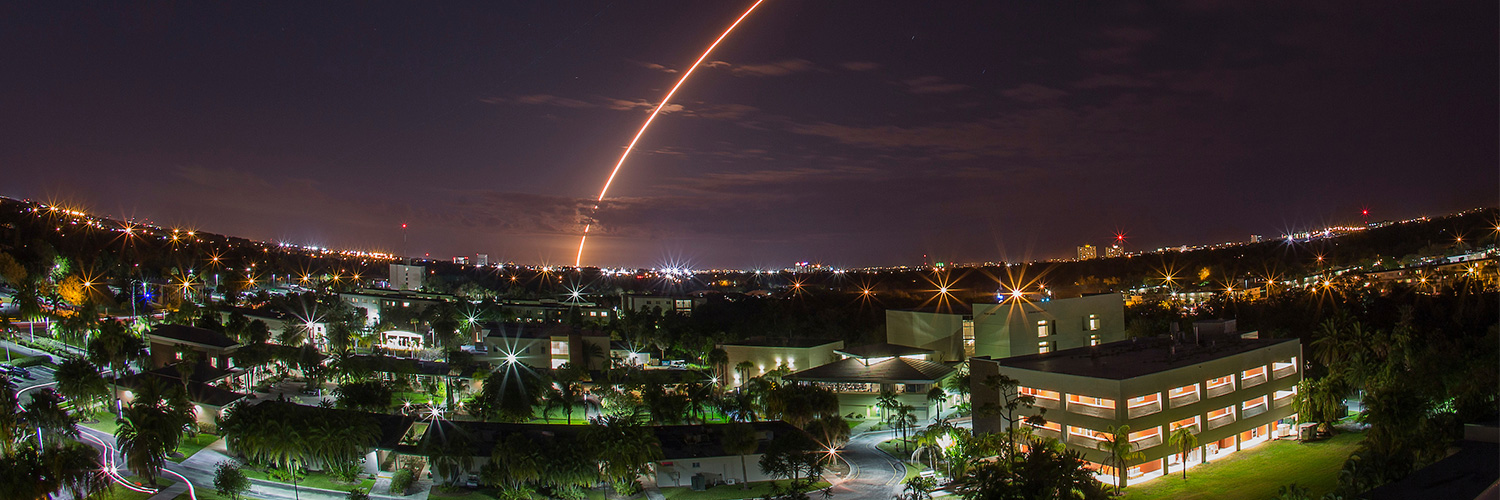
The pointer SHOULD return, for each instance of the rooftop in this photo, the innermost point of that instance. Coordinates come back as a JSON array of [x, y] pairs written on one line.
[[952, 307], [1136, 357], [882, 351], [894, 370], [796, 342], [192, 335]]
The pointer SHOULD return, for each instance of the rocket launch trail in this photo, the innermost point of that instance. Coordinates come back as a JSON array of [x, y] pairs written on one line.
[[630, 147]]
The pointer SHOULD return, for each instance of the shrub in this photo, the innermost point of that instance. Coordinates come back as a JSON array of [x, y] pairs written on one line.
[[358, 494], [30, 361], [400, 481], [229, 481], [347, 472]]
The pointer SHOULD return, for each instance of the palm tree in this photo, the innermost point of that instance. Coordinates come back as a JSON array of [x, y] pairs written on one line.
[[81, 382], [564, 394], [744, 368], [116, 347], [10, 419], [937, 396], [45, 413], [1183, 440], [719, 359], [1116, 443], [513, 464], [739, 439], [148, 431]]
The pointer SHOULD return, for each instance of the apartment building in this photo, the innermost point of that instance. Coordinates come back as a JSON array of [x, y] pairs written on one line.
[[1232, 390]]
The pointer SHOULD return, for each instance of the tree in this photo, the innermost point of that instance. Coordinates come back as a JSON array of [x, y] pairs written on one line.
[[1183, 440], [372, 396], [830, 431], [71, 468], [1044, 471], [150, 428], [1011, 401], [792, 456], [514, 464], [1116, 443], [918, 488], [798, 404], [563, 394], [624, 451], [117, 347], [937, 396], [230, 481], [44, 413], [81, 382], [449, 449], [10, 418], [739, 439]]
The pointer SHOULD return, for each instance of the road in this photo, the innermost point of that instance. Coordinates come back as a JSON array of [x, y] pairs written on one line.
[[872, 473]]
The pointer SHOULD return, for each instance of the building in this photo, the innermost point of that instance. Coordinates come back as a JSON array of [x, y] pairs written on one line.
[[481, 259], [865, 372], [1114, 251], [679, 304], [405, 277], [1018, 327], [768, 353], [948, 331], [553, 311], [545, 346], [1087, 252], [373, 301], [168, 341], [461, 260], [694, 455], [277, 321], [1233, 392]]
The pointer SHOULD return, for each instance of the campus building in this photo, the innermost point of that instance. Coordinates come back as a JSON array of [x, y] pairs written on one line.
[[679, 304], [546, 346], [865, 372], [405, 277], [764, 354], [1015, 326], [372, 301], [1232, 390]]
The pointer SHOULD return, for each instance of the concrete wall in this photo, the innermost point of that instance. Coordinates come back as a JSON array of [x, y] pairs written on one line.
[[1010, 328], [941, 332], [1156, 383], [680, 472]]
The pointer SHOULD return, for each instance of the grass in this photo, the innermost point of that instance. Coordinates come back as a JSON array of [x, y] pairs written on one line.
[[313, 480], [1257, 473], [191, 445], [728, 492], [106, 423], [117, 492], [897, 449]]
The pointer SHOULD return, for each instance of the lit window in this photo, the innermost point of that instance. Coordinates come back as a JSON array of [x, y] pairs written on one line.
[[1039, 393], [1043, 347], [1091, 401], [1221, 381], [1186, 422], [1093, 323], [1093, 340], [1260, 401], [1043, 328], [1142, 401], [1254, 372], [1183, 391]]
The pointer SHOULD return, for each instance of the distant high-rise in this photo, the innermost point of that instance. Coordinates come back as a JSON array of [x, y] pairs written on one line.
[[1255, 238], [481, 259], [461, 260], [1087, 252], [1114, 251], [404, 277]]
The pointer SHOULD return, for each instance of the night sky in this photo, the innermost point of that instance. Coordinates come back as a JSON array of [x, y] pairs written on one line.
[[848, 132]]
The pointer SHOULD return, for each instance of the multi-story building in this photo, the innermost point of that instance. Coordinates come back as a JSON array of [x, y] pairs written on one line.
[[1232, 391], [553, 311], [948, 331], [545, 346], [481, 259], [404, 277], [679, 304], [373, 301], [1114, 251], [461, 260], [1017, 327], [1087, 252], [769, 353]]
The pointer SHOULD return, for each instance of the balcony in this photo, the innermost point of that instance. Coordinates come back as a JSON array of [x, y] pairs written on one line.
[[1221, 420], [1183, 399], [1097, 411], [1220, 390], [1284, 371], [1144, 409], [1147, 442]]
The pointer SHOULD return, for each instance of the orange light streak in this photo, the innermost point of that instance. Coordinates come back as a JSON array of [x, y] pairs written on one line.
[[579, 260]]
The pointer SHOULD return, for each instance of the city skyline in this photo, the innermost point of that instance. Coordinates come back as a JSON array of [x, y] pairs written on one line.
[[984, 133]]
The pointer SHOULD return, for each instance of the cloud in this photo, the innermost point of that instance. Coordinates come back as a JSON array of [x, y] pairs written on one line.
[[779, 68], [1102, 81], [932, 85], [654, 67], [540, 100], [860, 66], [627, 105], [1033, 93]]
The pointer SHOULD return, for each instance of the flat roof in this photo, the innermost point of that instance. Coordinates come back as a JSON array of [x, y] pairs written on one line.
[[953, 307], [192, 335], [796, 342], [1136, 357]]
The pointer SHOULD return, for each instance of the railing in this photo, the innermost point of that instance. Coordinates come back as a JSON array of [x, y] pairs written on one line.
[[1183, 400], [1255, 410], [1220, 390], [1145, 409], [1221, 420], [1254, 381], [1284, 371], [1052, 404], [1083, 409]]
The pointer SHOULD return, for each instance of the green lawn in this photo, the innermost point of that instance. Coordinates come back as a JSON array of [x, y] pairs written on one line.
[[897, 449], [117, 492], [191, 445], [1257, 473], [314, 480], [727, 492], [106, 423]]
